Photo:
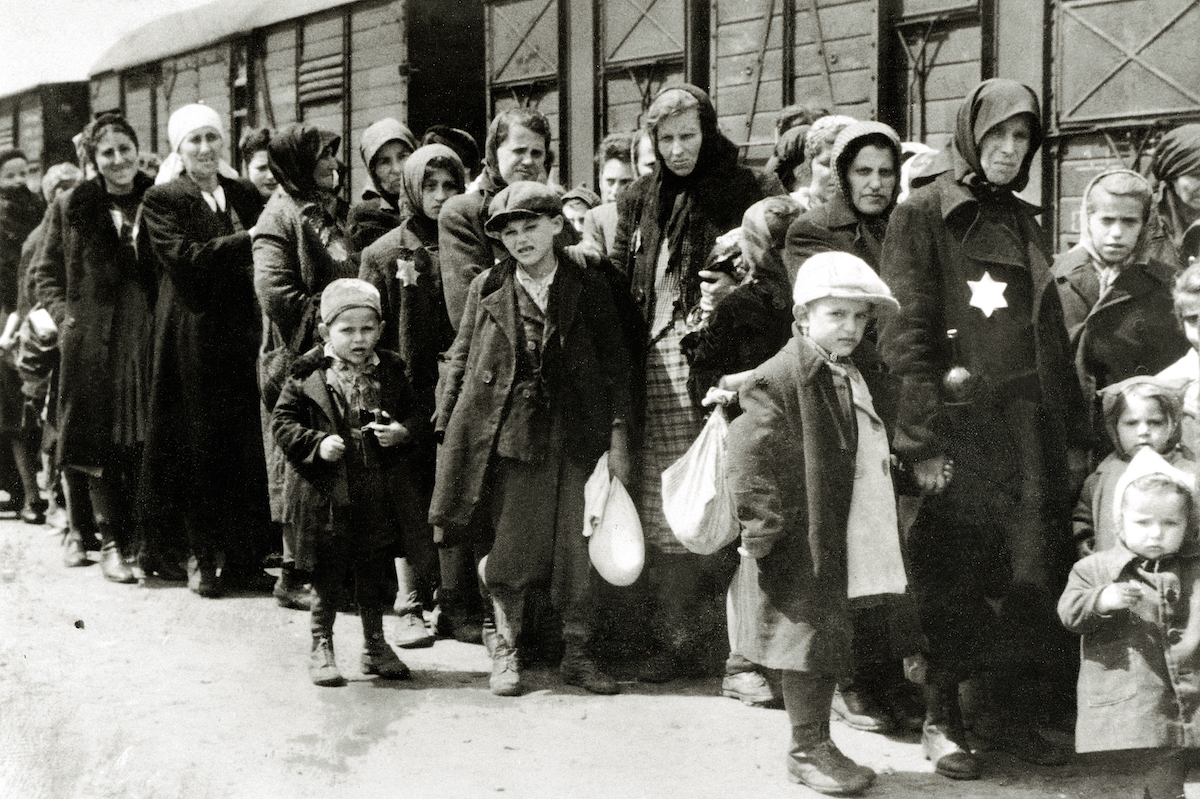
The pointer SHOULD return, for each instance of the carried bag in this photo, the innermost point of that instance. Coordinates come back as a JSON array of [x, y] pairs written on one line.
[[696, 500], [616, 545], [274, 364]]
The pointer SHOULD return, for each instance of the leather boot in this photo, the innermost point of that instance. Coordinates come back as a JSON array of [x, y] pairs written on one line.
[[508, 608], [322, 665], [452, 619], [202, 577], [378, 656], [578, 668], [112, 562], [74, 553], [813, 758], [857, 708], [943, 738], [290, 591]]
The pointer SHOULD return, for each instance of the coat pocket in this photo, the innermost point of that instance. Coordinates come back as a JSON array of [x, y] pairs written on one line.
[[1108, 677]]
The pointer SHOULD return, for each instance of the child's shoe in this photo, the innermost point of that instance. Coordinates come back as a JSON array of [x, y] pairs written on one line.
[[378, 657], [506, 672], [859, 710], [826, 770], [322, 666], [410, 631]]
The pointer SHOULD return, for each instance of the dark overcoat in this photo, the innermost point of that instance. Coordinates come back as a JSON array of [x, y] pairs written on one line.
[[204, 450], [790, 465], [1139, 675], [830, 227], [305, 415], [1130, 331], [79, 274], [584, 365]]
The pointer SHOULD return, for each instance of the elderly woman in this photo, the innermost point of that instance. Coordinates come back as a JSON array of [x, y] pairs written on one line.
[[668, 223], [300, 247], [988, 406], [1176, 170], [100, 294], [203, 468], [384, 148]]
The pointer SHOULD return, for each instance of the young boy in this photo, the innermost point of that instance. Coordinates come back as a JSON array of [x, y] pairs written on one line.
[[810, 471], [1136, 607], [1139, 413], [1116, 300], [533, 393], [338, 421]]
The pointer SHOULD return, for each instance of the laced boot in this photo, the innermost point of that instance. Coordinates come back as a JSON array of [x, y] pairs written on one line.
[[578, 668], [814, 759], [943, 738], [378, 656], [290, 591], [112, 562], [74, 552], [506, 671], [322, 665]]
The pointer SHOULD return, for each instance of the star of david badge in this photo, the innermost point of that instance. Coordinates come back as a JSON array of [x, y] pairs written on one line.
[[987, 294]]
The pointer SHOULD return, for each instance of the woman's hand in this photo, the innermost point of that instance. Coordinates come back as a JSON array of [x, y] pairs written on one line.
[[719, 396], [332, 449], [389, 435], [934, 474], [714, 287]]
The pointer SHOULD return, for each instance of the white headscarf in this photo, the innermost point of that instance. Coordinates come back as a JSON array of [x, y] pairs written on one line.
[[183, 121]]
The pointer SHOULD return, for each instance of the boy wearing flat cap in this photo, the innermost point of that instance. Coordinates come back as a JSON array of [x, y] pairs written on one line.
[[347, 420], [533, 394], [810, 471]]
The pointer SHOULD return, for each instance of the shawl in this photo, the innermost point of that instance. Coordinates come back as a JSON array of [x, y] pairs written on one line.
[[989, 104], [293, 155], [1177, 154], [414, 172]]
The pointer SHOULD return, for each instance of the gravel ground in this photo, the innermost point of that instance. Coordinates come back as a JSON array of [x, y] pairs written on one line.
[[149, 692]]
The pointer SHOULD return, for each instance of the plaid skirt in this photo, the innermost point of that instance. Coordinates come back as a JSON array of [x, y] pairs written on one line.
[[670, 426]]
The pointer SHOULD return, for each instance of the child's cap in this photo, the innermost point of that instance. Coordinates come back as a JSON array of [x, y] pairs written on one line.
[[584, 195], [1147, 462], [519, 200], [844, 276], [346, 293]]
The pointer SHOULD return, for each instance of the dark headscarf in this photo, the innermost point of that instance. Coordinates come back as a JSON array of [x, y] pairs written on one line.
[[293, 155], [418, 162], [989, 104], [764, 233], [1177, 154]]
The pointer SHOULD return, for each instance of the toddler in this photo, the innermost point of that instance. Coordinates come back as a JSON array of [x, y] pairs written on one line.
[[1136, 606]]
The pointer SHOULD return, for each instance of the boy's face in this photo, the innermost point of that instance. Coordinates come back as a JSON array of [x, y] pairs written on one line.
[[1143, 424], [1154, 522], [615, 176], [835, 323], [1114, 225], [574, 211], [1189, 315], [530, 239], [353, 334]]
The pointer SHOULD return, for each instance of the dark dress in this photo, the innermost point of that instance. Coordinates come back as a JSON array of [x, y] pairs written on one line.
[[204, 464]]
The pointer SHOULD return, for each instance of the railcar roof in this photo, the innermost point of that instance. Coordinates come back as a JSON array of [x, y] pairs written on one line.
[[199, 27]]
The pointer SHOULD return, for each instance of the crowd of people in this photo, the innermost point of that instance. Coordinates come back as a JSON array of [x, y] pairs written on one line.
[[949, 449]]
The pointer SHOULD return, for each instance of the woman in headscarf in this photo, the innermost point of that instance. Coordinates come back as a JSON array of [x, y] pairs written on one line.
[[300, 247], [384, 148], [818, 160], [90, 279], [203, 468], [404, 266], [988, 409], [1176, 170], [20, 212], [668, 222]]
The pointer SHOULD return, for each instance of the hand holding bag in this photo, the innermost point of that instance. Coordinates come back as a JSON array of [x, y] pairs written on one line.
[[696, 500]]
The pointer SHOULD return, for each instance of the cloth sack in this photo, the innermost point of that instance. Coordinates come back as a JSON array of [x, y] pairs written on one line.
[[616, 545], [696, 499]]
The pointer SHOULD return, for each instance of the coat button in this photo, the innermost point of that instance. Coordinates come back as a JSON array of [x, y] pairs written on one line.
[[639, 296], [528, 394], [487, 376], [531, 346], [1174, 636]]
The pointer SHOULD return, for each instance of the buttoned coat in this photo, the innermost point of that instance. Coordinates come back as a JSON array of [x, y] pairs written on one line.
[[790, 465], [585, 367], [1139, 677], [1129, 331]]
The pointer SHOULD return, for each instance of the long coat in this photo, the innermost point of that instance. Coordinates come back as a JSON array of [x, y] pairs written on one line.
[[790, 465], [305, 415], [83, 274], [1130, 331], [1139, 677], [204, 449], [585, 366], [830, 227]]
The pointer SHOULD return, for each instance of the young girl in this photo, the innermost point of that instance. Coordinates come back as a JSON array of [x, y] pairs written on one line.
[[1139, 413], [1135, 605], [534, 392], [404, 266]]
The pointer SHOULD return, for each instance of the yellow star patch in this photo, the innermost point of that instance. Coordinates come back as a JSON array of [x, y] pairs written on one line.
[[987, 294]]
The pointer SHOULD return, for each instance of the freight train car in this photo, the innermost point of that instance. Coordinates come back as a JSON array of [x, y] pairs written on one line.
[[41, 121], [340, 64]]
